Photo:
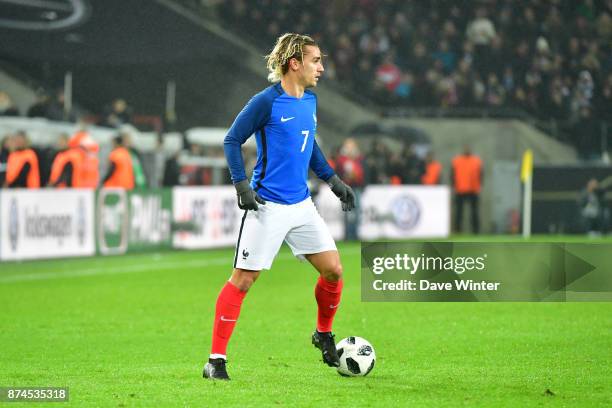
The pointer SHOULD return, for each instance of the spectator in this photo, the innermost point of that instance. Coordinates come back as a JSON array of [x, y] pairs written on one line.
[[140, 179], [451, 35], [413, 168], [192, 173], [344, 57], [604, 100], [40, 108], [22, 165], [586, 136], [6, 105], [553, 27], [433, 170], [498, 58], [527, 25], [362, 76], [88, 148], [349, 164], [404, 89], [587, 10], [479, 90], [604, 27], [120, 173], [388, 73], [495, 93], [481, 32], [446, 56], [159, 161], [467, 180], [543, 58], [593, 209], [118, 114], [420, 61], [590, 61], [376, 163], [520, 60], [57, 109], [583, 28], [67, 167], [448, 92], [508, 80], [462, 80], [349, 167], [172, 171], [4, 154], [557, 104], [396, 168]]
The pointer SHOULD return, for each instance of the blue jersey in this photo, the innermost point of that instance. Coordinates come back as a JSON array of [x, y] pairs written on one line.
[[284, 128]]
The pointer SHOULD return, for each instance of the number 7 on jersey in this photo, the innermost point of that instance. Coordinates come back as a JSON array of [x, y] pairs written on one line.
[[305, 133]]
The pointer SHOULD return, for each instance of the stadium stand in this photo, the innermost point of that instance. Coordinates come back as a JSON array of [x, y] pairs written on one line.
[[546, 61], [549, 58]]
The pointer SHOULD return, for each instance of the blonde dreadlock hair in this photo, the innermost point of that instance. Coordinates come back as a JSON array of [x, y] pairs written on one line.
[[289, 45]]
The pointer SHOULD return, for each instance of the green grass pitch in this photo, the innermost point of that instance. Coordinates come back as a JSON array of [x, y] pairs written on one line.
[[135, 331]]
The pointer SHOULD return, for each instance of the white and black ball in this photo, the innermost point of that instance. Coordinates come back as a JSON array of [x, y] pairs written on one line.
[[357, 357]]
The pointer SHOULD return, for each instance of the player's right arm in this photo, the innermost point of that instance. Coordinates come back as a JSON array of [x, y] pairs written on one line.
[[253, 117]]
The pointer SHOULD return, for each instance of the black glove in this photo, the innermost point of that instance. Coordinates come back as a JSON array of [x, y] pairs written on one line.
[[343, 192], [247, 198]]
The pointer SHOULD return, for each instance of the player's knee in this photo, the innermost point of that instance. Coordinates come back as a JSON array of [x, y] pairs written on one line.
[[333, 272], [243, 280], [244, 283]]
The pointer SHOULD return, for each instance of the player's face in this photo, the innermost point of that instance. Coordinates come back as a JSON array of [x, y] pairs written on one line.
[[312, 68]]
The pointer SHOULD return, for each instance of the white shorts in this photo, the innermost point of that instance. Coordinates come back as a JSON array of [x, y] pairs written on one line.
[[262, 233]]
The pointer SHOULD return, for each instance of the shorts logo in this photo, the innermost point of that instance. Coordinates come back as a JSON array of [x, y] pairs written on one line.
[[245, 254]]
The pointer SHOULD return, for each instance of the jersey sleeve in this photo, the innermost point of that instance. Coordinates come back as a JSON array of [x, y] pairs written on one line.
[[253, 117], [319, 164]]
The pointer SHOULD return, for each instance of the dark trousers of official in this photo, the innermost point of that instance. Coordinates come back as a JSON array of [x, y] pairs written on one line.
[[472, 199]]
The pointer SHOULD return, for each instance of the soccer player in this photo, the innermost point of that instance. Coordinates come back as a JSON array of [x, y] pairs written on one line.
[[277, 201]]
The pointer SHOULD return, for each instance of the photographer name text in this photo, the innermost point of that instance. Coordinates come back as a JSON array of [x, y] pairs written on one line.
[[415, 264]]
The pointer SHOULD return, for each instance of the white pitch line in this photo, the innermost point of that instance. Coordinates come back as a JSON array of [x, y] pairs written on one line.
[[109, 271], [79, 273]]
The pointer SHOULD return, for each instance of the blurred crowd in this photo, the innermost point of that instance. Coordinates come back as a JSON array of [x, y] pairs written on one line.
[[551, 58], [384, 164], [65, 163], [400, 164], [77, 161], [52, 106]]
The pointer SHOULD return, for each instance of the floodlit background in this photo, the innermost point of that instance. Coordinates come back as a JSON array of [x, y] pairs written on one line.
[[402, 79]]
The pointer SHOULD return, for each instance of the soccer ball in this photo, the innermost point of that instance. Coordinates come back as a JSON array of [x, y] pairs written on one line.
[[357, 357]]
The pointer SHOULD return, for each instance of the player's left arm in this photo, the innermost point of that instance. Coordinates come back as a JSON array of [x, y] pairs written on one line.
[[319, 164], [324, 171]]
